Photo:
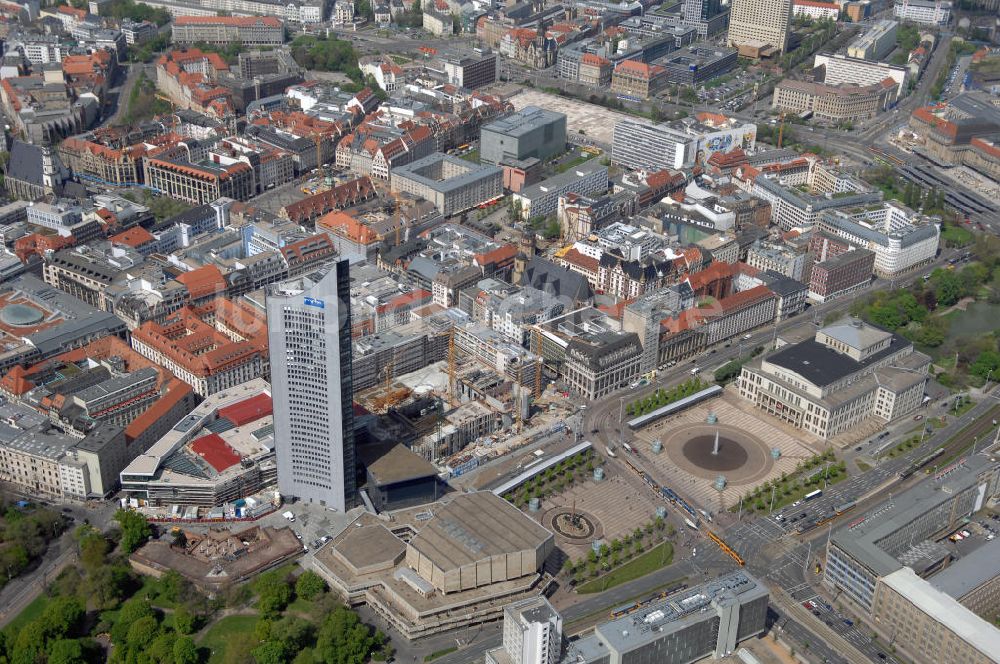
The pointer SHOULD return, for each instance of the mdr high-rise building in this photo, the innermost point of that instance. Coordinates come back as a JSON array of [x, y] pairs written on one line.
[[309, 333]]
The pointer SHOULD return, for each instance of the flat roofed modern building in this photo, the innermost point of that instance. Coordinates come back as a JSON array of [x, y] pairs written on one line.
[[849, 372], [875, 545], [309, 336], [974, 580], [764, 21], [708, 620], [532, 634], [931, 626], [450, 183], [476, 540], [531, 132]]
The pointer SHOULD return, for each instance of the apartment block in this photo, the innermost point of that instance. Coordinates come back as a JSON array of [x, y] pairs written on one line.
[[450, 183], [224, 30]]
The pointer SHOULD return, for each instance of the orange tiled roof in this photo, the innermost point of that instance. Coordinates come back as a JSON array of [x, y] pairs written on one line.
[[134, 237], [203, 281]]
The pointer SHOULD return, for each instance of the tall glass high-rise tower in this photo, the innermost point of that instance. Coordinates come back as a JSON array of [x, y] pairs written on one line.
[[309, 333]]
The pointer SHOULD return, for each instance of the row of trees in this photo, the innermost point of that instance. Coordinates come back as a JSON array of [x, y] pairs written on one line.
[[619, 550], [663, 397], [788, 486], [25, 533], [554, 480]]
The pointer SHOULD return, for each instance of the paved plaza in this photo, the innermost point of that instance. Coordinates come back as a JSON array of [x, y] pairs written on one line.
[[616, 506], [598, 123], [691, 473]]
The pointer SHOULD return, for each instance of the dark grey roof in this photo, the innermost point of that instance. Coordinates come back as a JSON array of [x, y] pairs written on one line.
[[546, 276], [821, 365], [970, 571], [785, 286], [25, 163]]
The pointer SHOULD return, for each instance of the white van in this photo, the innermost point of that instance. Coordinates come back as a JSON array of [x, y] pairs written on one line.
[[695, 370]]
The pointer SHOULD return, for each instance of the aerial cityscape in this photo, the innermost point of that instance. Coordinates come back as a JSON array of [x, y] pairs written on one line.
[[500, 331]]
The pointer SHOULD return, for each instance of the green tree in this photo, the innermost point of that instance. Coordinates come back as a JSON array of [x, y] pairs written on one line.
[[141, 633], [344, 639], [184, 621], [62, 616], [309, 585], [271, 652], [135, 529], [131, 612], [185, 651], [66, 651]]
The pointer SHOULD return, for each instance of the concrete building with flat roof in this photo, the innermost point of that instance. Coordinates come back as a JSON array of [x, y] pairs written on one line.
[[764, 21], [876, 43], [450, 183], [221, 451], [434, 568], [475, 540], [838, 68], [542, 199], [530, 132], [974, 580], [883, 540], [696, 64], [849, 372], [929, 625], [708, 620], [532, 634]]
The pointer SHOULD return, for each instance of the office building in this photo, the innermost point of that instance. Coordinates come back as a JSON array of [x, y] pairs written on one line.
[[792, 208], [679, 144], [309, 336], [637, 80], [696, 64], [708, 620], [542, 199], [840, 274], [900, 239], [839, 69], [877, 561], [472, 71], [221, 451], [450, 183], [974, 580], [763, 22], [876, 43], [930, 626], [532, 634], [600, 363], [531, 132], [225, 30], [849, 372], [137, 32], [928, 12], [834, 103]]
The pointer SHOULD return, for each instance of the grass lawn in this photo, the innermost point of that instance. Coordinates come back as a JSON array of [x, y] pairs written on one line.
[[301, 606], [230, 628], [440, 653], [29, 613], [657, 557], [471, 155], [956, 236], [862, 466], [399, 59], [572, 163]]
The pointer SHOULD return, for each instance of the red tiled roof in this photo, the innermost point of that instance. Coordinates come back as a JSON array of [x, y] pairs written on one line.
[[247, 410], [203, 281], [134, 237], [215, 451], [177, 390], [497, 256]]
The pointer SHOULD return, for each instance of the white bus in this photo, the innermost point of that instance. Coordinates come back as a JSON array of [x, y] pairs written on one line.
[[815, 494]]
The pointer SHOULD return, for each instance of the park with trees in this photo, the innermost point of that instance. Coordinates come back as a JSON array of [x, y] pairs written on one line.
[[949, 315], [99, 610]]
